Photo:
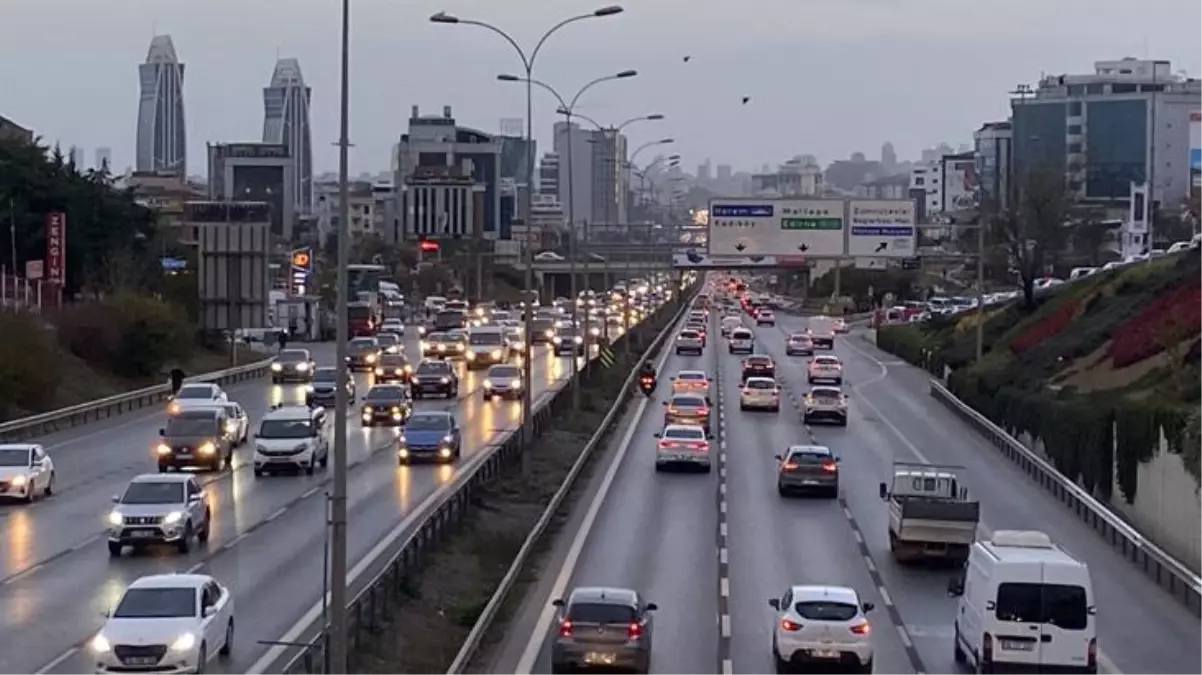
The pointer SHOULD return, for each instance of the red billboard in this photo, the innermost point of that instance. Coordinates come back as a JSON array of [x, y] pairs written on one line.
[[56, 247]]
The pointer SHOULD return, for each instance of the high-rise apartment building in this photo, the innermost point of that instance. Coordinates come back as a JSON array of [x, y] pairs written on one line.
[[162, 139], [703, 171], [724, 172], [596, 176], [286, 122], [548, 175], [104, 159]]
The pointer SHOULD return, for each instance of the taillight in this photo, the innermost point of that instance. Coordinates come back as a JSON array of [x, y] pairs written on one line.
[[703, 411], [829, 467], [565, 628], [789, 625], [699, 445], [635, 630], [1092, 654], [861, 628], [790, 466]]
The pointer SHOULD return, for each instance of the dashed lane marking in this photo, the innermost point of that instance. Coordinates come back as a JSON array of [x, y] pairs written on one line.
[[279, 512], [58, 661]]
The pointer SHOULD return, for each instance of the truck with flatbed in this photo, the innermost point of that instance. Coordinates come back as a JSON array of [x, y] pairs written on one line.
[[930, 513]]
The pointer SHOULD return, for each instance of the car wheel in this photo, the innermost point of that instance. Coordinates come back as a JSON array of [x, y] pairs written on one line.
[[311, 467], [163, 468], [325, 459], [185, 542], [779, 664], [115, 549], [867, 667], [202, 535], [227, 646], [258, 473], [780, 490]]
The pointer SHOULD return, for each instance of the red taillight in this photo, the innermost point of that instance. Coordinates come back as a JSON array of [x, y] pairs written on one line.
[[829, 467], [703, 411], [700, 445], [790, 625], [1092, 655], [565, 628], [635, 630], [790, 466], [861, 628]]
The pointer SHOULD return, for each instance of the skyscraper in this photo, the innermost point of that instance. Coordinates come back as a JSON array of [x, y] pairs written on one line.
[[286, 122], [888, 156], [162, 137]]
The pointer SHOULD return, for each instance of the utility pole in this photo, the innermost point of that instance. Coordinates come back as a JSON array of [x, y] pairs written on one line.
[[980, 288], [572, 249], [336, 638]]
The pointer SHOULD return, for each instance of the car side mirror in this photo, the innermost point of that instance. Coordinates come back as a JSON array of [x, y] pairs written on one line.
[[665, 403], [558, 602], [199, 496], [210, 610], [955, 587], [778, 458], [868, 607], [774, 603], [162, 432], [658, 435], [838, 459], [883, 490], [651, 607]]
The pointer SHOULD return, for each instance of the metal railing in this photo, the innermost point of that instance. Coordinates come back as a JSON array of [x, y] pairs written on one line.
[[83, 413], [373, 605], [470, 646], [1168, 573]]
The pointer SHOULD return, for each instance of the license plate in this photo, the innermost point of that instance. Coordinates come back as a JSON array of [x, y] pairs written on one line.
[[599, 658], [809, 482], [143, 534], [825, 653], [279, 460], [141, 661], [1018, 645]]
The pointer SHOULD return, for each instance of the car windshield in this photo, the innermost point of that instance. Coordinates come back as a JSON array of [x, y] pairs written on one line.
[[688, 402], [154, 492], [504, 371], [428, 423], [1061, 605], [685, 434], [434, 368], [691, 376], [386, 393], [325, 375], [387, 339], [799, 338], [293, 356], [14, 457], [485, 338], [600, 612], [286, 428], [191, 426], [807, 457], [231, 410], [821, 610], [688, 334], [761, 384], [741, 335], [195, 392], [363, 344], [157, 603], [826, 361], [826, 393], [393, 361]]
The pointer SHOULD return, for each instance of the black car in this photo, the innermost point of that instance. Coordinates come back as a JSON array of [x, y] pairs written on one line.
[[542, 331], [292, 365], [323, 390], [393, 368], [758, 366], [434, 378], [196, 437], [362, 354], [386, 404], [568, 341]]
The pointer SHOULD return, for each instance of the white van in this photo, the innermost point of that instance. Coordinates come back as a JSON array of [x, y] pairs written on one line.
[[486, 346], [292, 437], [1025, 604]]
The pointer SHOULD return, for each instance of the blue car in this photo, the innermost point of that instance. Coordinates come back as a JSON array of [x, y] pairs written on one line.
[[430, 436]]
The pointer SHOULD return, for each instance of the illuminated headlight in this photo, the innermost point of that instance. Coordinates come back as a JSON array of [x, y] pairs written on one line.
[[19, 481], [276, 367], [402, 441], [379, 371], [207, 449], [367, 410], [579, 340], [163, 449], [594, 331], [100, 644], [445, 380], [421, 330], [173, 518], [444, 452], [310, 389], [183, 643], [549, 333], [396, 409], [302, 367], [370, 358], [488, 384], [471, 356], [556, 339], [402, 453], [231, 426], [442, 348], [115, 518], [516, 384], [496, 353]]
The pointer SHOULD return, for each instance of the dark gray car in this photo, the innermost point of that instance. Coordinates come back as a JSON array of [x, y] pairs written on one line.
[[808, 468], [602, 628], [195, 438]]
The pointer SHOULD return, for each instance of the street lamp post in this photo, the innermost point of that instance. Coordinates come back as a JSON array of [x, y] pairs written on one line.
[[528, 255], [567, 110]]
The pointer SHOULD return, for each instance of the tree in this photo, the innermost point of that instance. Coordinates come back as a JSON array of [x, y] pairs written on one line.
[[1033, 231], [1171, 225], [1089, 233]]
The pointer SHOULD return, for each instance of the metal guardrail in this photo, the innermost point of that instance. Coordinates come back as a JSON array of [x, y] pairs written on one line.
[[470, 646], [1168, 573], [83, 413], [372, 605]]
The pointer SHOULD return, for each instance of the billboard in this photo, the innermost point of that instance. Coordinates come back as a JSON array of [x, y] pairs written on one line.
[[881, 228], [1195, 143], [776, 227], [959, 184], [56, 248]]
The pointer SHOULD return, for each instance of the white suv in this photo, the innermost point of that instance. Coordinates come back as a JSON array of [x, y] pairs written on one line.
[[825, 369], [292, 438], [823, 626], [741, 340]]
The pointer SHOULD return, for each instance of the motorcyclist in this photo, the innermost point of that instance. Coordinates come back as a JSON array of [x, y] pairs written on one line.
[[647, 371]]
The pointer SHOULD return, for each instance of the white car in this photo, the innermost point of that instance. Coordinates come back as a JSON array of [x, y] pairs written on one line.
[[691, 382], [741, 340], [25, 471], [824, 404], [821, 627], [765, 317], [682, 445], [237, 423], [825, 369], [166, 623], [292, 438], [760, 393], [393, 326], [196, 394]]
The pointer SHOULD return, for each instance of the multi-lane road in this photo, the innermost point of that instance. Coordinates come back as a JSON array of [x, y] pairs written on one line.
[[56, 577], [710, 550]]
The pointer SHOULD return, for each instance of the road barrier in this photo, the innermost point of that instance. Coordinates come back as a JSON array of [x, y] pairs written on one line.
[[1168, 573], [373, 604], [84, 413]]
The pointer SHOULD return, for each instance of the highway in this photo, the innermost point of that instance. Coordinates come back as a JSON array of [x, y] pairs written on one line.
[[57, 580], [711, 549]]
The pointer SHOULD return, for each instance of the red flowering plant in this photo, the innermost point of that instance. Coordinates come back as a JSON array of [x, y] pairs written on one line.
[[1169, 320]]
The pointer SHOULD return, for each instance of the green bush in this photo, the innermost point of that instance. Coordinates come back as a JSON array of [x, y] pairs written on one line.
[[30, 366], [128, 335]]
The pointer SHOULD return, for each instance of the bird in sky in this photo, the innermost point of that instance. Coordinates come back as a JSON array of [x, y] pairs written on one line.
[[746, 99], [686, 59]]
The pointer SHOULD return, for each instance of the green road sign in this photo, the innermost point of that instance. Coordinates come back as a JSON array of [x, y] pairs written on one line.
[[811, 223], [606, 357]]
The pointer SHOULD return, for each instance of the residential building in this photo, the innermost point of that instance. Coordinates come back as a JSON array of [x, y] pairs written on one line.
[[11, 131], [724, 173], [926, 178], [608, 175], [896, 186], [364, 209], [992, 155], [548, 175], [888, 156], [798, 177], [703, 171], [1127, 122], [286, 122], [162, 139], [166, 193], [256, 172]]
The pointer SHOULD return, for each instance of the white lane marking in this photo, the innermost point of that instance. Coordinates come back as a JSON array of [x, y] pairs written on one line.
[[726, 625], [313, 490], [847, 513], [724, 587], [871, 565], [279, 512], [23, 573], [885, 595], [58, 661], [905, 636], [722, 506], [195, 568], [728, 667], [722, 530], [234, 542], [722, 487], [723, 555], [859, 537]]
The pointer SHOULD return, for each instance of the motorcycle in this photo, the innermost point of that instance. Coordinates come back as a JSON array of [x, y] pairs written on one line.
[[647, 384]]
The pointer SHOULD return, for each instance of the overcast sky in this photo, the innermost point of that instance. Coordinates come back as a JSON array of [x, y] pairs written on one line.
[[825, 77]]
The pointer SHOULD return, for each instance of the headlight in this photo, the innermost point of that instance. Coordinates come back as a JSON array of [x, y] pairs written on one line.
[[116, 518], [594, 331], [20, 480], [173, 517], [442, 347], [163, 449], [403, 453], [515, 384], [444, 452], [488, 384], [231, 426], [396, 408], [549, 333], [367, 410], [445, 380], [421, 330], [448, 438], [183, 643], [496, 353], [302, 367], [579, 339], [379, 371], [371, 358], [207, 448], [276, 367], [401, 440], [100, 644], [471, 356], [173, 409], [310, 389], [556, 339]]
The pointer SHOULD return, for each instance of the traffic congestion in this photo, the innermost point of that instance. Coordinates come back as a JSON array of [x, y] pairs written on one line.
[[217, 499], [849, 525]]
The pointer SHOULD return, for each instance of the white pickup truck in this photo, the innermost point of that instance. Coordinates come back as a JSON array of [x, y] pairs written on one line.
[[930, 513]]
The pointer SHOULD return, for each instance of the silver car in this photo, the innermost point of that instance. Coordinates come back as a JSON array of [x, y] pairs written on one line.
[[825, 404], [690, 341], [602, 628], [159, 509]]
